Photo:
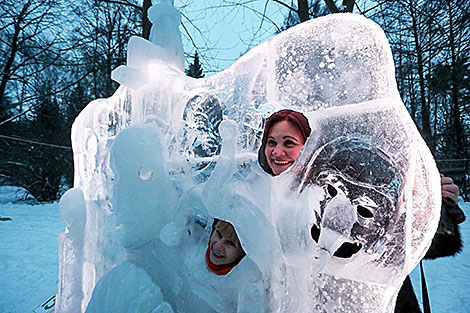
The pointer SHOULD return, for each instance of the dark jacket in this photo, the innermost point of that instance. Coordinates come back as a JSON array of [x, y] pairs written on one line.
[[446, 242]]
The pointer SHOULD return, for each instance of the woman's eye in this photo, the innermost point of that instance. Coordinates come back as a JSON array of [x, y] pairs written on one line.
[[271, 143], [231, 243], [289, 144], [217, 232]]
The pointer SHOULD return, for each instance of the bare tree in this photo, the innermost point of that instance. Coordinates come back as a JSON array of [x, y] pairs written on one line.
[[306, 9], [450, 80], [27, 32], [411, 29], [429, 41], [100, 38]]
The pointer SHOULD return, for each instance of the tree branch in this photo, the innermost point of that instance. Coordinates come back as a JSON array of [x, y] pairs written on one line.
[[15, 117], [49, 94], [377, 5], [35, 142], [126, 3], [287, 6], [332, 6]]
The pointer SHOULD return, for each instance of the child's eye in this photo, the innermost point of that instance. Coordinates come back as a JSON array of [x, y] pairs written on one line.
[[217, 232], [233, 244]]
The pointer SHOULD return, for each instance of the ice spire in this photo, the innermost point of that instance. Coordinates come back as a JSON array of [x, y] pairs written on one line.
[[164, 46], [165, 32]]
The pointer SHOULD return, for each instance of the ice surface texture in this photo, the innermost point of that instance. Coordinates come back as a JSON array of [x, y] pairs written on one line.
[[156, 162]]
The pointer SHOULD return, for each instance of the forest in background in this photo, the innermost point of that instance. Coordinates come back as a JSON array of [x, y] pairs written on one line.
[[57, 56]]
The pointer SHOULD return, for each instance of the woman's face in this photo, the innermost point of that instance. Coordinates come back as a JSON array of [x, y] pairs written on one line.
[[283, 146], [223, 250]]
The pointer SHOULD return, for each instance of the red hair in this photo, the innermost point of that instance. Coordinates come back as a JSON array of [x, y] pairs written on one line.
[[295, 118]]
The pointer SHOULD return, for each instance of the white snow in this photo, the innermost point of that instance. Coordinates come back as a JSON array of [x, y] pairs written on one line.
[[28, 252], [448, 279]]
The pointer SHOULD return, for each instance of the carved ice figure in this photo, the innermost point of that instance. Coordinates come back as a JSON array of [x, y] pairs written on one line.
[[359, 177], [171, 174], [69, 291], [165, 32], [142, 204], [143, 194], [127, 288]]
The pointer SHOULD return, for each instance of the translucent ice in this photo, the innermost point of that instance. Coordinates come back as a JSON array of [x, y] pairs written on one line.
[[126, 288], [143, 191], [165, 33], [166, 154], [73, 212]]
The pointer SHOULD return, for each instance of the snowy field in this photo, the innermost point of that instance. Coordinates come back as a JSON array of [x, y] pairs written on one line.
[[29, 261]]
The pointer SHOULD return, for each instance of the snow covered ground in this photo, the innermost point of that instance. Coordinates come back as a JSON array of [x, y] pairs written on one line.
[[29, 261]]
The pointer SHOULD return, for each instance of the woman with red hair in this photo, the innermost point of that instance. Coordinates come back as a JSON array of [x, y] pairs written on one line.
[[284, 136], [285, 133]]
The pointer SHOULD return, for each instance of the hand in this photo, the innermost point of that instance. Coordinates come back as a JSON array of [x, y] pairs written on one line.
[[449, 189]]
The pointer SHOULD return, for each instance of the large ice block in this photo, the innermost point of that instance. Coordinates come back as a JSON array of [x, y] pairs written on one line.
[[167, 153]]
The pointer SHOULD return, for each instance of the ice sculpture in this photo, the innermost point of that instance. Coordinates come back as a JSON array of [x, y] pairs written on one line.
[[72, 211], [166, 154]]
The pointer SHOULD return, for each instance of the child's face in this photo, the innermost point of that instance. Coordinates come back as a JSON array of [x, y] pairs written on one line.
[[223, 250]]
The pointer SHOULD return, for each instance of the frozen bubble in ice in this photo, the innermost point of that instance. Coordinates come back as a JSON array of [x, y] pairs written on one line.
[[91, 143], [145, 174], [228, 130], [170, 234]]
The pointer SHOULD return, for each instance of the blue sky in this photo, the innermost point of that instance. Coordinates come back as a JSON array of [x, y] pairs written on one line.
[[222, 31]]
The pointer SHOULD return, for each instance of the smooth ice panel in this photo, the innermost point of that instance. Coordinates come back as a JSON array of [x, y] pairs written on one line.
[[126, 288]]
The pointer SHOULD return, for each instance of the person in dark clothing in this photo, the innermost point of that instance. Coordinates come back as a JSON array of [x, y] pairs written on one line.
[[446, 242]]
